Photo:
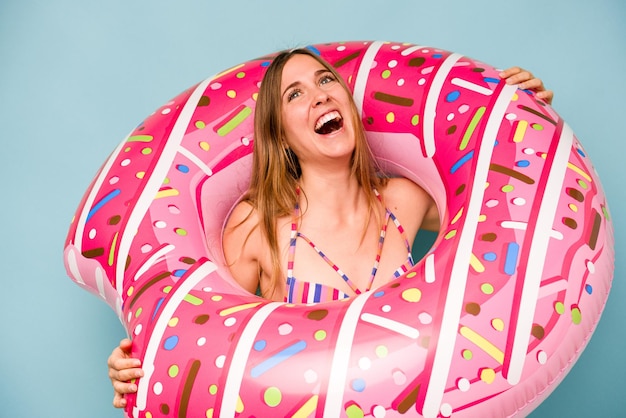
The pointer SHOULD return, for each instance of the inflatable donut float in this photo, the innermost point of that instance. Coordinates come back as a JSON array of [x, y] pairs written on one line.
[[486, 324]]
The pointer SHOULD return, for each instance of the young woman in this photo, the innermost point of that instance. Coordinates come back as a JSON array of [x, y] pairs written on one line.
[[319, 222]]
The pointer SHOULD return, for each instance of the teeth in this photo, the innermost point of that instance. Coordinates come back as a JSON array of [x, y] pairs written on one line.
[[327, 118]]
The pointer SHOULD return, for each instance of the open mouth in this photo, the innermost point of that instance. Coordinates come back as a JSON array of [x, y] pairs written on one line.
[[329, 123]]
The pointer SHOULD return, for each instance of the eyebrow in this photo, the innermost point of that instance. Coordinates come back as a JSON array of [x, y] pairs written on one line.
[[297, 82]]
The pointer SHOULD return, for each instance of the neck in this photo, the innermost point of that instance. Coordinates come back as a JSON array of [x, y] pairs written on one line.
[[336, 195]]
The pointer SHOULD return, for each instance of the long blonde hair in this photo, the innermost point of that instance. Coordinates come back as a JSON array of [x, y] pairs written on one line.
[[275, 169]]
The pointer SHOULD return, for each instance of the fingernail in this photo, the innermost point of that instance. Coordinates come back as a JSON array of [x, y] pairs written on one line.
[[133, 388]]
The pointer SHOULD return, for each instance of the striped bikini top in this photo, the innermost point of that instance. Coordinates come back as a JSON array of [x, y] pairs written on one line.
[[311, 292]]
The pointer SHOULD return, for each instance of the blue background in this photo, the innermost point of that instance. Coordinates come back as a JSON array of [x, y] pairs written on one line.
[[76, 76]]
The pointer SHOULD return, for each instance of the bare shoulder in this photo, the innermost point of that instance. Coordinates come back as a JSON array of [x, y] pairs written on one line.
[[401, 191], [243, 214], [411, 203], [242, 242]]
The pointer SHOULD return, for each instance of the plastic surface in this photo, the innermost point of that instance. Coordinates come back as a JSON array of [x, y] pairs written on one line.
[[485, 325]]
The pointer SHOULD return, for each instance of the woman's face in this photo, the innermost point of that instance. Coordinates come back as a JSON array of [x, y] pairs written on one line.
[[316, 112]]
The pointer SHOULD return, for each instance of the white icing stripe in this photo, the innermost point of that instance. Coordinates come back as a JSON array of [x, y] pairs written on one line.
[[431, 102], [410, 50], [391, 325], [104, 174], [461, 263], [523, 225], [152, 260], [363, 74], [73, 266], [197, 161], [429, 269], [161, 325], [459, 82], [536, 257], [240, 359], [164, 163], [341, 357]]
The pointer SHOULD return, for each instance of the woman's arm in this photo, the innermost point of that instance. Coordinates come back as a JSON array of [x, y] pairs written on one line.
[[242, 242]]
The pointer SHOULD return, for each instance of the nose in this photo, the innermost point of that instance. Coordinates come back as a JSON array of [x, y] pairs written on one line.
[[320, 97]]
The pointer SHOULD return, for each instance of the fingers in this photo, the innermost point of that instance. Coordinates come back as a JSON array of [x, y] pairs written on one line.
[[527, 81], [123, 371], [119, 401]]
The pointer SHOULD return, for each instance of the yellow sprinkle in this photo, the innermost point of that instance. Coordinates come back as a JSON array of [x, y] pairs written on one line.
[[482, 218], [216, 298], [412, 295], [487, 375], [476, 264], [520, 130], [573, 168], [130, 291], [308, 408], [515, 98], [497, 324], [573, 207], [140, 174], [209, 413], [391, 117], [166, 193], [457, 216], [112, 249], [239, 408], [483, 344], [205, 146], [232, 310], [173, 322]]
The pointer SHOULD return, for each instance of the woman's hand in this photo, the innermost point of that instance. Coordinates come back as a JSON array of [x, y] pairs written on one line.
[[122, 371], [527, 81]]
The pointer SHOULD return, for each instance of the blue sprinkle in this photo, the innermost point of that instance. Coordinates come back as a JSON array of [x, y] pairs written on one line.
[[589, 288], [182, 168], [522, 163], [490, 256], [265, 64], [313, 49], [179, 272], [510, 262], [581, 152], [358, 385], [452, 96], [461, 161], [157, 307], [106, 199], [260, 345], [171, 342], [379, 294], [437, 55], [491, 80]]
